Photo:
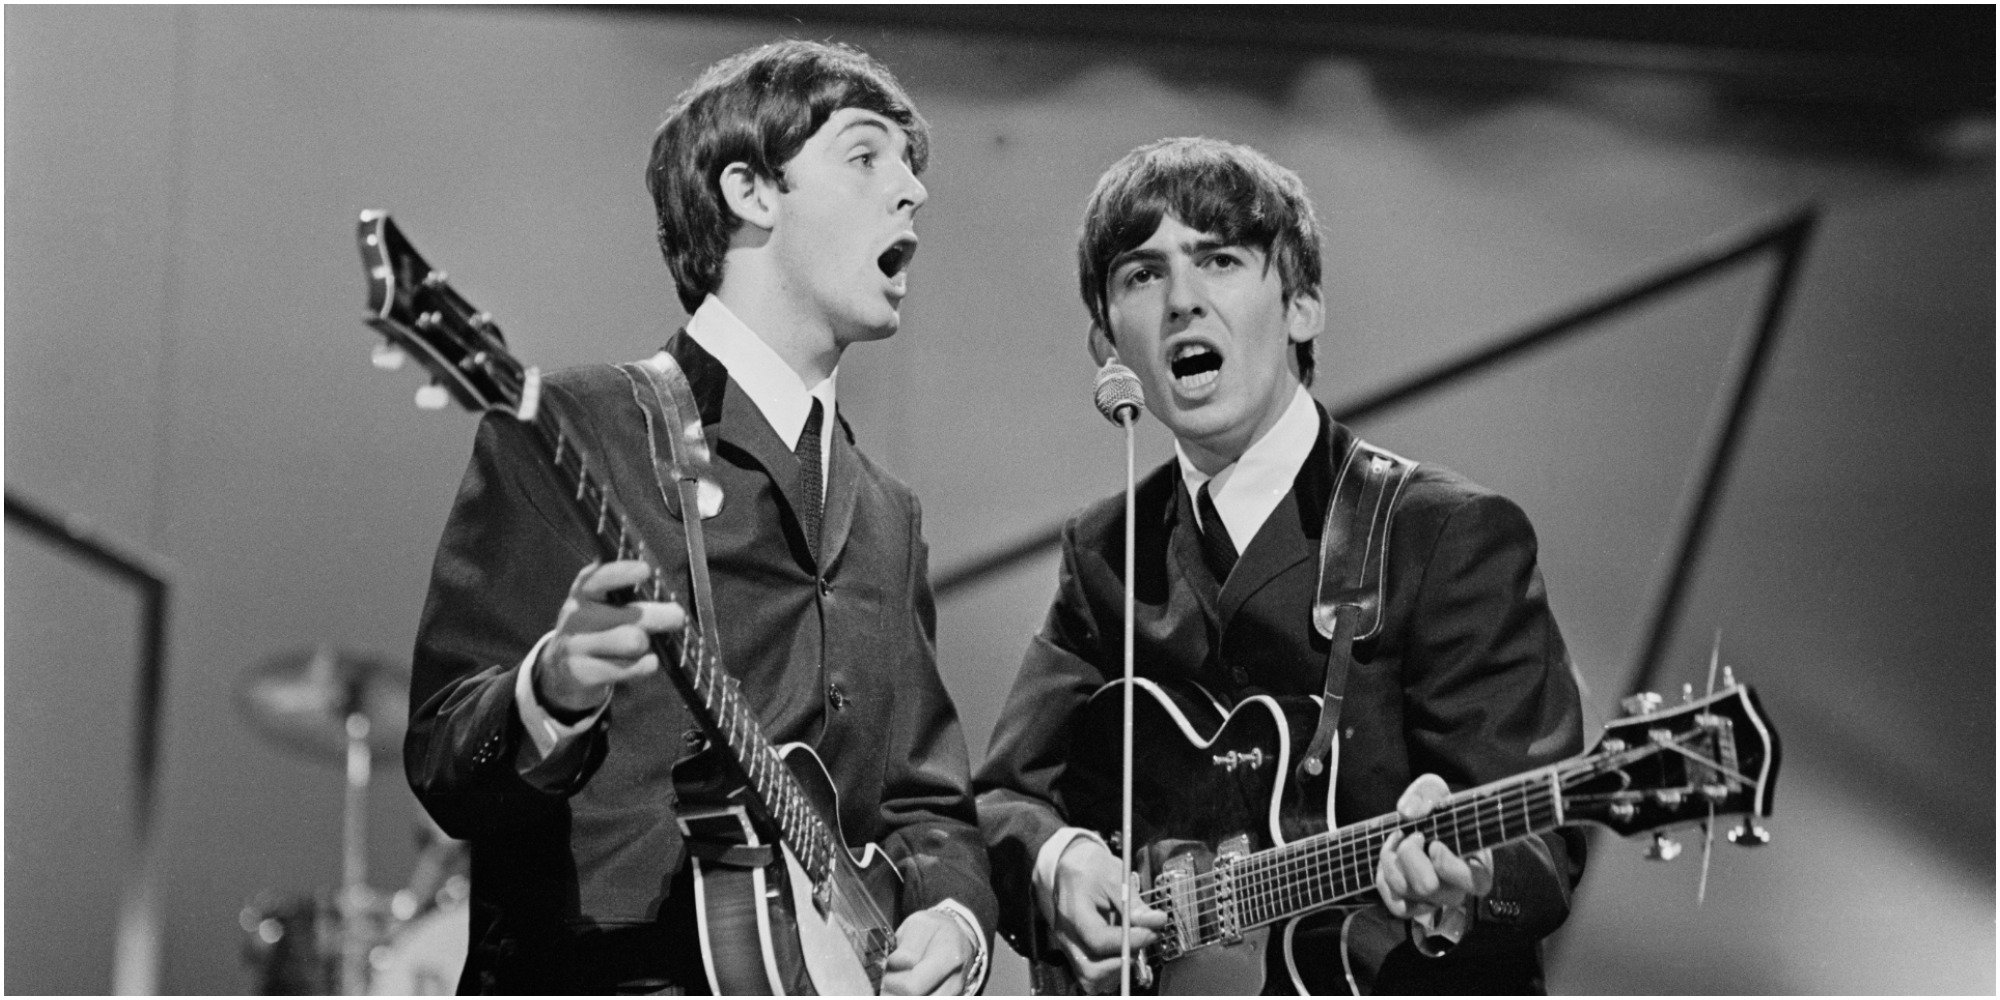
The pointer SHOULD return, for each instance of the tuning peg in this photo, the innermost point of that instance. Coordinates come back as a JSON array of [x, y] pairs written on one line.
[[432, 397], [388, 356], [1749, 834], [1640, 704], [1663, 848]]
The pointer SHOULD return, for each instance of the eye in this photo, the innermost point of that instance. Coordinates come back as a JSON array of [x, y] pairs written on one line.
[[863, 156], [1137, 276], [1224, 261]]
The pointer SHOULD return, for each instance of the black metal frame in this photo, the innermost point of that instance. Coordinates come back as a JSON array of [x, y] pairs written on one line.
[[136, 947], [1786, 236]]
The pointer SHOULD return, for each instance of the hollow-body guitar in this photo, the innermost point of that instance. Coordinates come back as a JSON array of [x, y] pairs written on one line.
[[1231, 850]]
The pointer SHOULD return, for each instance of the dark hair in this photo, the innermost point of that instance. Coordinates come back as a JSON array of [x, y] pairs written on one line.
[[757, 107], [1228, 191]]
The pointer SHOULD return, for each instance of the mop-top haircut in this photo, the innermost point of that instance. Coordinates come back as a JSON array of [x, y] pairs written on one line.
[[759, 108]]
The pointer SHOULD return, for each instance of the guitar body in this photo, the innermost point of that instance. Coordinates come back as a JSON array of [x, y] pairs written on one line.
[[763, 932], [1211, 780]]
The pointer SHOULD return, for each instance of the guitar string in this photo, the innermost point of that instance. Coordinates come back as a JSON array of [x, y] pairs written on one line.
[[1353, 851], [1250, 884], [1270, 889]]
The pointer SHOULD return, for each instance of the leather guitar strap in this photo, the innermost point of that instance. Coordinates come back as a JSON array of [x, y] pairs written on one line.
[[1353, 561]]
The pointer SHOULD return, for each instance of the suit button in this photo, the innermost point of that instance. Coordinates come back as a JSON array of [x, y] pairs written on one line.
[[825, 588], [836, 697]]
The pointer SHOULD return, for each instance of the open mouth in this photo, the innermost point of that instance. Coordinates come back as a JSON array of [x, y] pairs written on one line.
[[895, 259], [1195, 365]]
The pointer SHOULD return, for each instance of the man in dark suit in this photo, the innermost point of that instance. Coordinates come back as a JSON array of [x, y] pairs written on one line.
[[541, 731], [1200, 265]]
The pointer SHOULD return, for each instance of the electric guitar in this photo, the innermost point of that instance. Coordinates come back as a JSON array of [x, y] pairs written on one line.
[[783, 905], [1229, 852]]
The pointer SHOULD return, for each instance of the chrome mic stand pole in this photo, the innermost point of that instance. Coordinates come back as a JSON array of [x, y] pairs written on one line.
[[1125, 794], [1119, 396], [354, 860]]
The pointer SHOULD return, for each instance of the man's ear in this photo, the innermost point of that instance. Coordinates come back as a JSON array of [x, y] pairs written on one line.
[[1305, 317], [1101, 347], [753, 198]]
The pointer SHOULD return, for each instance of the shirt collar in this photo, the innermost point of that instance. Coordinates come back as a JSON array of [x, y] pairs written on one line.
[[771, 384], [1250, 488]]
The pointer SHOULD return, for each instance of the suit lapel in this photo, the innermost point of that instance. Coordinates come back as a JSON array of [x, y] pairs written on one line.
[[733, 422], [1291, 534], [1278, 546]]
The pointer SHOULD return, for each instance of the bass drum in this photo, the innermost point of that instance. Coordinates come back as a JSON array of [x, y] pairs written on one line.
[[424, 956]]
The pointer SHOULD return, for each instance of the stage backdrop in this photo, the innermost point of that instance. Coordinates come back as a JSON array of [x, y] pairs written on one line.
[[186, 366]]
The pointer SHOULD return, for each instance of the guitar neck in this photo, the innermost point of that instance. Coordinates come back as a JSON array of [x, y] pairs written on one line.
[[1294, 879], [714, 696]]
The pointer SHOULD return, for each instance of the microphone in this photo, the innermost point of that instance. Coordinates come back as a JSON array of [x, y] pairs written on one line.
[[1118, 395]]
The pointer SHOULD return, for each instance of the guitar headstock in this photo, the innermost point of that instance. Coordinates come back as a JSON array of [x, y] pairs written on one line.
[[1666, 767], [421, 316]]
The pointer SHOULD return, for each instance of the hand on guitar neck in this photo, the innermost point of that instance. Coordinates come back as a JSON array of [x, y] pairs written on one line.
[[1089, 895], [597, 642], [1423, 880]]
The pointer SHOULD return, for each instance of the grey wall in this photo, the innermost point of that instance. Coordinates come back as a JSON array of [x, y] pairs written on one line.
[[186, 367]]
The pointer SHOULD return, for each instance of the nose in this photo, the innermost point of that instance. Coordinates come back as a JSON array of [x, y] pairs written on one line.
[[1186, 299], [913, 193]]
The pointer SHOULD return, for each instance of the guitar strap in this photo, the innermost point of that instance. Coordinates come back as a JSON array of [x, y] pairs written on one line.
[[681, 460], [1353, 569]]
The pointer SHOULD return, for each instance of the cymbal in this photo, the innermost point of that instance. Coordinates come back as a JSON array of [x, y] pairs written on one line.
[[302, 700]]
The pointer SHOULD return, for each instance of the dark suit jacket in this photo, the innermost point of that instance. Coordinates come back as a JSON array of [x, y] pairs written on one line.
[[582, 887], [1467, 678]]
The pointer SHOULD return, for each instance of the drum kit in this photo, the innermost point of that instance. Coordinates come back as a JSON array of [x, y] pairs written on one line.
[[351, 708]]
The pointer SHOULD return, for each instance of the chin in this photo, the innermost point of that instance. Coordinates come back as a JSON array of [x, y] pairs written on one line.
[[1208, 427], [874, 328]]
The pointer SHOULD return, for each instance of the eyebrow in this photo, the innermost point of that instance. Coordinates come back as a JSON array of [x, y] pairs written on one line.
[[874, 123]]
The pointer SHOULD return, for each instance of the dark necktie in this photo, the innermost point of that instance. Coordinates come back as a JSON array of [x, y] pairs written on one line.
[[1215, 543], [811, 477]]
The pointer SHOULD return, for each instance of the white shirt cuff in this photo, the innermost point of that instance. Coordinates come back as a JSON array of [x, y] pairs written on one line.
[[545, 734], [975, 975], [1045, 866]]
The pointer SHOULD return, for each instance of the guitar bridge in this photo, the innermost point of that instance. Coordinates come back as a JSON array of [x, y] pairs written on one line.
[[1234, 759]]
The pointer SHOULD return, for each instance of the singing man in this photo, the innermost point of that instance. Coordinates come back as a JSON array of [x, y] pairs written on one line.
[[1199, 263], [786, 183]]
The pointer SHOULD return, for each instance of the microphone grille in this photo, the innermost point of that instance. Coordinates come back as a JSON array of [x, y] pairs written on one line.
[[1118, 392]]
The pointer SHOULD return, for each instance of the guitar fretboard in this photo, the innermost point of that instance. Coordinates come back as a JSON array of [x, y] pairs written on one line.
[[1308, 874]]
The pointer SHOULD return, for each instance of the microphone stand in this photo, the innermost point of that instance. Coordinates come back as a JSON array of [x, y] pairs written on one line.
[[1118, 397], [1128, 418]]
